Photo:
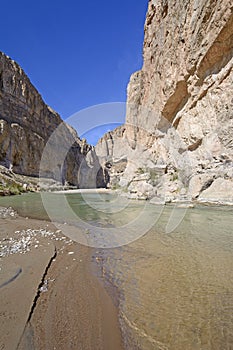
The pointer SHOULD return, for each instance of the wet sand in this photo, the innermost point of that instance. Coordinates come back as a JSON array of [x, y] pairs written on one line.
[[56, 301]]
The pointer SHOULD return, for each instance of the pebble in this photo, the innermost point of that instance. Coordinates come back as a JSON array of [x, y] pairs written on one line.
[[44, 289], [7, 212], [25, 240]]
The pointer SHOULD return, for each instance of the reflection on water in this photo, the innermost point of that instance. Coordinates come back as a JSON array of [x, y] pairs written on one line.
[[176, 290], [101, 209]]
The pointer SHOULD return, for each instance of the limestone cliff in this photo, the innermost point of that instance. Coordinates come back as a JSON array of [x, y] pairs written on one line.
[[26, 125], [178, 136]]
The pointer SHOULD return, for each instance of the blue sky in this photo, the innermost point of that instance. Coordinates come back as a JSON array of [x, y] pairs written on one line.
[[93, 135], [76, 53]]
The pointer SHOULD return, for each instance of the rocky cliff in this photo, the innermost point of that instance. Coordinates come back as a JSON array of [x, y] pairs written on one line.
[[27, 125], [177, 142]]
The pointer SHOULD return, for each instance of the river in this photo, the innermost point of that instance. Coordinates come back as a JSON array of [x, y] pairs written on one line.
[[175, 289]]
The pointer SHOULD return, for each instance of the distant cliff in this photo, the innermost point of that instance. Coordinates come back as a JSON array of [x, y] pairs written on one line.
[[177, 142], [27, 123]]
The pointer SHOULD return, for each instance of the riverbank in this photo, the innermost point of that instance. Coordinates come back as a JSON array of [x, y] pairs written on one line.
[[218, 192], [50, 297], [85, 190]]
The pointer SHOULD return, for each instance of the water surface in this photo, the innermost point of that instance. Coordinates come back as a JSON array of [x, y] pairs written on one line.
[[176, 289]]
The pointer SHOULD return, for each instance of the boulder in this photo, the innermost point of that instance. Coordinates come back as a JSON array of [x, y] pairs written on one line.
[[220, 192]]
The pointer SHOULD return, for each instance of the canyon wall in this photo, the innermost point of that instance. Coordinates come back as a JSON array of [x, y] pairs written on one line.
[[27, 125], [177, 142]]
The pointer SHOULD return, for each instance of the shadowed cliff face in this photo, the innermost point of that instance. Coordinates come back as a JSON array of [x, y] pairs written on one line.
[[26, 125], [179, 114]]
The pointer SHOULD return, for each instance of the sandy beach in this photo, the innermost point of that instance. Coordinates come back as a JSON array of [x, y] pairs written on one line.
[[51, 297]]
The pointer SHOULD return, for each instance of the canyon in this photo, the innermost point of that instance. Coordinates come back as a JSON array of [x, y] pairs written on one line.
[[177, 141], [35, 142]]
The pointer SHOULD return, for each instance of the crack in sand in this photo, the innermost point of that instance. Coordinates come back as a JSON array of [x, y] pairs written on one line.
[[34, 304]]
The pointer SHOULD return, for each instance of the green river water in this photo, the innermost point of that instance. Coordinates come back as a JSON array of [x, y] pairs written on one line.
[[175, 289]]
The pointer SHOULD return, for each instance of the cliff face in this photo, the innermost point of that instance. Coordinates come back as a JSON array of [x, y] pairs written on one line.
[[26, 125], [178, 136]]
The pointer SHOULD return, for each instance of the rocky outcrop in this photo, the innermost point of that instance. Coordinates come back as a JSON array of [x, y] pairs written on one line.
[[28, 126], [220, 192], [179, 122]]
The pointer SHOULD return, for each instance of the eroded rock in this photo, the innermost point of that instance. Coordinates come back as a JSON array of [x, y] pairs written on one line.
[[27, 125], [179, 106]]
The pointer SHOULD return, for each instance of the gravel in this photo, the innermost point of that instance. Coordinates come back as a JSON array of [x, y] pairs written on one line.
[[28, 239], [7, 213]]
